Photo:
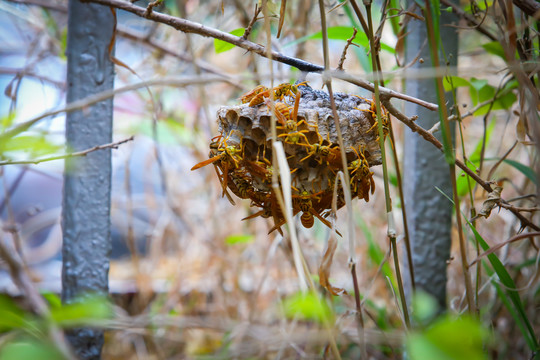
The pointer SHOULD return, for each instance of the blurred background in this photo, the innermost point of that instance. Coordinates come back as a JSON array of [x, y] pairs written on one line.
[[216, 284]]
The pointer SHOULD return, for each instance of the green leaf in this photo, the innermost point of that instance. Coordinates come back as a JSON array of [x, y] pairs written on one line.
[[342, 33], [308, 307], [63, 44], [239, 239], [481, 91], [7, 121], [495, 48], [222, 46], [465, 182], [11, 316], [35, 144], [29, 350], [510, 286], [525, 170], [82, 312], [453, 82], [424, 306], [53, 300], [449, 339]]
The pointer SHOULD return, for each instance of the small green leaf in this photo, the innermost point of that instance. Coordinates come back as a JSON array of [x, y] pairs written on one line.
[[308, 307], [424, 306], [63, 44], [449, 338], [342, 33], [239, 239], [495, 48], [464, 182], [35, 144], [11, 316], [82, 312], [453, 82], [53, 300], [524, 169], [7, 120], [222, 46]]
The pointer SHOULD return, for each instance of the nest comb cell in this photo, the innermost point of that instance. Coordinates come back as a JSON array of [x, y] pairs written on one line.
[[242, 152]]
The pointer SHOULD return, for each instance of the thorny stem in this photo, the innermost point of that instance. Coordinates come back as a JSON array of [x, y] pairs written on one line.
[[451, 162], [391, 226]]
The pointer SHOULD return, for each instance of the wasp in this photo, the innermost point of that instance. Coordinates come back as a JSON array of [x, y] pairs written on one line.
[[270, 208], [362, 178], [257, 95], [224, 156], [373, 111], [288, 121], [247, 97]]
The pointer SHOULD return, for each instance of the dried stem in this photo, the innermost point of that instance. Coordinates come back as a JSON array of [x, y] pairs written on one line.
[[391, 233]]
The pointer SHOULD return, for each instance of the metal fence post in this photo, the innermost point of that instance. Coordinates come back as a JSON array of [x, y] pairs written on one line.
[[87, 180]]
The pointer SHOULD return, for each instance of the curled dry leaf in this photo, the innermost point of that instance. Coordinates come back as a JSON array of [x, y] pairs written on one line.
[[493, 199], [326, 264]]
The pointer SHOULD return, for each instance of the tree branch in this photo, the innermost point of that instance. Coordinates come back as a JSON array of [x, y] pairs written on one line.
[[196, 28], [432, 139], [113, 145]]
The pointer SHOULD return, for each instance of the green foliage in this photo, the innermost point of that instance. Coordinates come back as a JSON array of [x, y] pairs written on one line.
[[375, 253], [11, 316], [514, 305], [222, 46], [342, 33], [169, 131], [465, 182], [449, 338], [425, 307], [480, 91], [308, 306], [239, 239], [494, 48], [29, 339], [524, 169], [28, 349], [85, 311]]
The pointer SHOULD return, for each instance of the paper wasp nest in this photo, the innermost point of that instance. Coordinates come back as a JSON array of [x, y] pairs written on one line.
[[242, 152]]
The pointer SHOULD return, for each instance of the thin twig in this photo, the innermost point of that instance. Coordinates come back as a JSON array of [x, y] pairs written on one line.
[[96, 98], [504, 243], [344, 53], [251, 23], [469, 18], [113, 145]]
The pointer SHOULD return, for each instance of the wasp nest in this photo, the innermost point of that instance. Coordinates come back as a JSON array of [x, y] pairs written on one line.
[[242, 153]]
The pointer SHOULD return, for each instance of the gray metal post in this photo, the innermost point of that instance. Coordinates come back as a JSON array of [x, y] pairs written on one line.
[[429, 213], [87, 180]]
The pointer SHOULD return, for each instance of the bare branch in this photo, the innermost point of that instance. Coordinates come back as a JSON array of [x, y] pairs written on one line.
[[113, 145], [344, 53], [91, 100]]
